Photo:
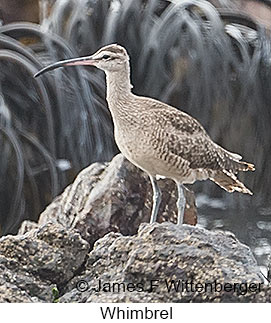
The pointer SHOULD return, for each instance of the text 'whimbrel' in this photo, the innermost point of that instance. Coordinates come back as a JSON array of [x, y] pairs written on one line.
[[159, 139]]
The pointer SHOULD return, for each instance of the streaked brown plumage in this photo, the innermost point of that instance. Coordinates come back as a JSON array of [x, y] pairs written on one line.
[[159, 139]]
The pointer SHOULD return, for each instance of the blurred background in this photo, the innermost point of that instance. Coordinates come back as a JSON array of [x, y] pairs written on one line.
[[211, 59]]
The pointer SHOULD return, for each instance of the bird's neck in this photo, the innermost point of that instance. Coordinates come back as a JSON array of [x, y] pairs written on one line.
[[118, 85]]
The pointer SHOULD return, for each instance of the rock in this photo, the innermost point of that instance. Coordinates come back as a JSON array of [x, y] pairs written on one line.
[[27, 226], [115, 196], [51, 258], [163, 252], [95, 233], [33, 264]]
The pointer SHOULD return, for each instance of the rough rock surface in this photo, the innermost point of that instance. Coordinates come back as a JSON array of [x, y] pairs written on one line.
[[112, 197], [93, 233], [31, 265], [164, 252]]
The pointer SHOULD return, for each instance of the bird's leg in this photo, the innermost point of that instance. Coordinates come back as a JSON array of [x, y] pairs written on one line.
[[156, 199], [180, 203]]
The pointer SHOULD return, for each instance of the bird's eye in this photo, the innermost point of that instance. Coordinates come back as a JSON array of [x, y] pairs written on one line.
[[106, 56]]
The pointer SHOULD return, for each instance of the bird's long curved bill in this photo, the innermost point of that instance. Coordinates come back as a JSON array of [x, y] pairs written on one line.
[[88, 60]]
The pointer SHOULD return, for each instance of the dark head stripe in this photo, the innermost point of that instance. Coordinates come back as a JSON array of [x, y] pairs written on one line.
[[116, 49]]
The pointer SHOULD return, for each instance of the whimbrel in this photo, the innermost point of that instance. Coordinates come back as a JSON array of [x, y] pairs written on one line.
[[160, 139]]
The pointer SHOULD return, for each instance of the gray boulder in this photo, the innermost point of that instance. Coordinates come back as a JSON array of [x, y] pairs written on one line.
[[127, 267], [94, 235], [34, 264], [112, 197]]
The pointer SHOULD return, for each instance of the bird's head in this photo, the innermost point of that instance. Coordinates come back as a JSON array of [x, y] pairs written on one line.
[[110, 58]]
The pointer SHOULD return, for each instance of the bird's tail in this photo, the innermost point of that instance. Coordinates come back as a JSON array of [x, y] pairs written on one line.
[[229, 182], [241, 166], [232, 161]]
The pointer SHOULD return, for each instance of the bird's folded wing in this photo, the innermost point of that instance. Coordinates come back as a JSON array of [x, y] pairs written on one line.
[[184, 136]]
